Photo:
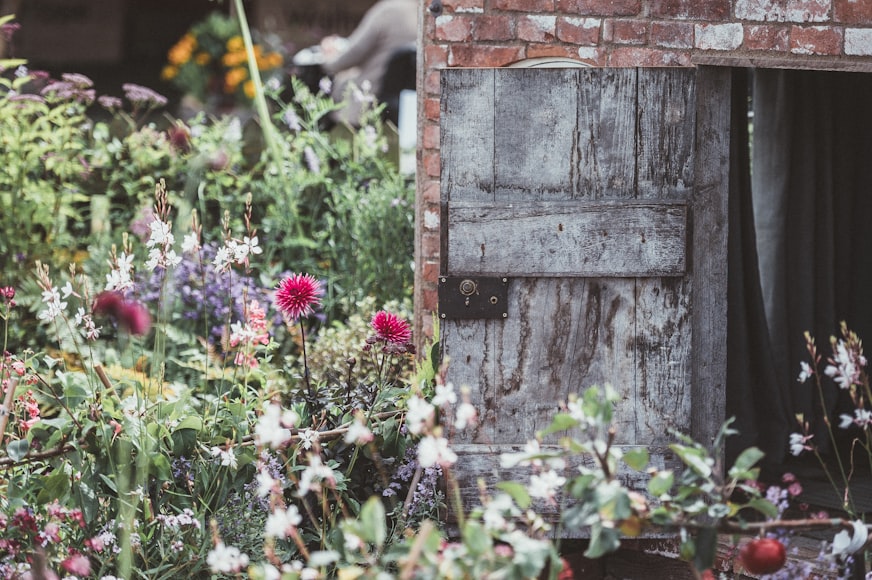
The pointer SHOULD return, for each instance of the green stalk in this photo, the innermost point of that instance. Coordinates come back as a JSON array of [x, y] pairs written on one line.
[[269, 135]]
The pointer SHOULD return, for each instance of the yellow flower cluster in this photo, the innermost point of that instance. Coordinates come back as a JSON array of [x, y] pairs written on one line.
[[236, 58], [211, 57]]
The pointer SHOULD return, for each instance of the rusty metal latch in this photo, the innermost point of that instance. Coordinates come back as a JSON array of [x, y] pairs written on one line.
[[466, 298]]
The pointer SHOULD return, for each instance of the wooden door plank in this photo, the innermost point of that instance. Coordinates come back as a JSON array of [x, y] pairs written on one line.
[[563, 335], [606, 130], [534, 144], [467, 134], [667, 117], [567, 239], [468, 346], [709, 246], [663, 398]]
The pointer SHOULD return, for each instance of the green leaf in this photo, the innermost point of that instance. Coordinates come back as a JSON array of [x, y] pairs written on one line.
[[764, 506], [661, 483], [746, 460], [372, 521], [517, 491], [637, 458], [17, 450], [694, 458], [191, 422], [602, 541], [476, 539], [561, 422], [56, 486], [706, 548]]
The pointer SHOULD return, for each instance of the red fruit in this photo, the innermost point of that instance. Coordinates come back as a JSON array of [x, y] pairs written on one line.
[[763, 556]]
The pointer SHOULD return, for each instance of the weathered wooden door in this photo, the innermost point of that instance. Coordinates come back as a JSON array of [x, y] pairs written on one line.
[[600, 197]]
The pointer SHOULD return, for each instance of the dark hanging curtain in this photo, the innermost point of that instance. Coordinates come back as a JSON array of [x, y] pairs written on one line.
[[800, 215]]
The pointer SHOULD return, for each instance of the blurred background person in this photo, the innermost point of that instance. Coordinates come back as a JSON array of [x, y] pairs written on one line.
[[388, 28]]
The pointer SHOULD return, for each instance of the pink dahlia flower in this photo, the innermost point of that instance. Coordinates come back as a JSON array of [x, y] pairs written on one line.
[[390, 328], [297, 295]]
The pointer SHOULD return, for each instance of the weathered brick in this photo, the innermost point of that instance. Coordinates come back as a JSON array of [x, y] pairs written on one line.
[[672, 34], [808, 10], [430, 299], [552, 50], [593, 55], [430, 191], [431, 163], [430, 137], [432, 82], [766, 37], [716, 10], [431, 109], [719, 36], [430, 270], [760, 10], [579, 30], [852, 11], [537, 28], [459, 6], [436, 55], [643, 56], [815, 40], [494, 27], [430, 219], [625, 31], [525, 5], [430, 244], [483, 55], [858, 41], [453, 28], [600, 7]]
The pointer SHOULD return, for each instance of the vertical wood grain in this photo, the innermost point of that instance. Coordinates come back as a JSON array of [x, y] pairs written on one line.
[[709, 247], [467, 134], [606, 167], [534, 134], [667, 116]]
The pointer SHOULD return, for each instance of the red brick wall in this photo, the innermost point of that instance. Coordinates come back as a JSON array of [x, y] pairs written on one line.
[[491, 33]]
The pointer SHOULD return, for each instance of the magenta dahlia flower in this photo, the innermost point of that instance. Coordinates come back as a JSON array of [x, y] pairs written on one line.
[[390, 328], [297, 295]]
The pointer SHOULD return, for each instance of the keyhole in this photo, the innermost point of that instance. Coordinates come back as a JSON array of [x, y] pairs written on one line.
[[468, 287]]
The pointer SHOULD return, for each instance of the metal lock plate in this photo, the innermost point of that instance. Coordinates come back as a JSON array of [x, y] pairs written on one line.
[[465, 298]]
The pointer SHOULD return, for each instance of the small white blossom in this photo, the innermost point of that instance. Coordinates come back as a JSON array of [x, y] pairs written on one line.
[[226, 559], [434, 450], [465, 416], [308, 438], [799, 443], [190, 243], [805, 371], [545, 485], [418, 414], [281, 522], [315, 474], [445, 395], [269, 430], [228, 458], [358, 433], [223, 259], [265, 484]]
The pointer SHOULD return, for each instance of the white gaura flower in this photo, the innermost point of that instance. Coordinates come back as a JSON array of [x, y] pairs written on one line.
[[281, 522], [845, 543], [445, 395], [434, 450], [805, 372], [269, 430], [418, 414], [545, 485], [465, 416], [226, 559]]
